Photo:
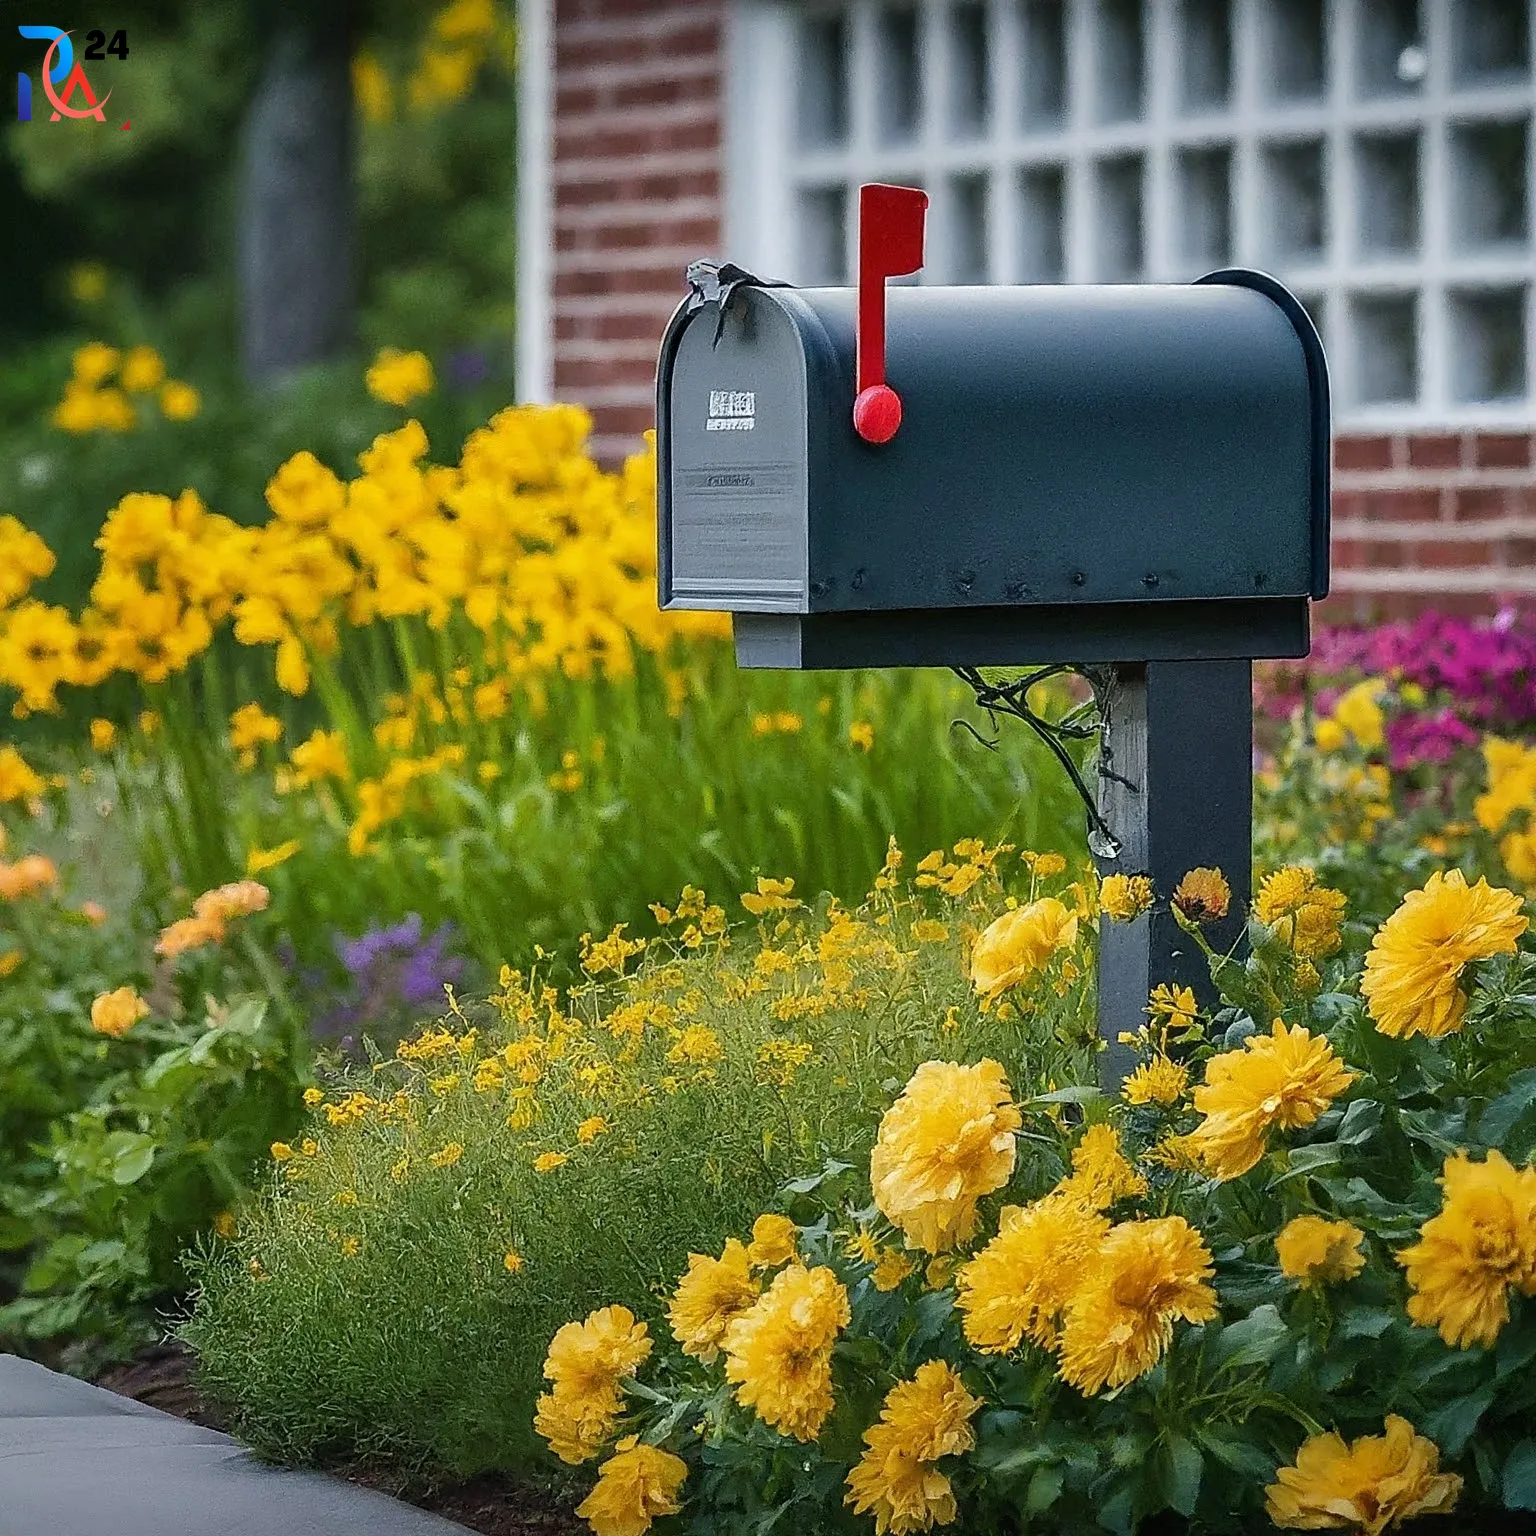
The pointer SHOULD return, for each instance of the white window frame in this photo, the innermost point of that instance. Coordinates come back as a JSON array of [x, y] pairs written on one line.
[[766, 170]]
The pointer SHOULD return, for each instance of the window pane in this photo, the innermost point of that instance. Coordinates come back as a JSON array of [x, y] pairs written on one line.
[[1488, 327], [969, 77], [1119, 221], [900, 97], [1043, 211], [1294, 200], [1488, 183], [968, 229], [1044, 43], [1491, 39], [823, 81], [1293, 62], [1206, 52], [1389, 48], [1387, 195], [1119, 50], [824, 236], [1205, 206], [1386, 349]]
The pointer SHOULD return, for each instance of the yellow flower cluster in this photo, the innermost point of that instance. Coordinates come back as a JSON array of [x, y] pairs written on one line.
[[548, 561], [212, 913], [921, 1422], [115, 1013], [103, 380], [586, 1364]]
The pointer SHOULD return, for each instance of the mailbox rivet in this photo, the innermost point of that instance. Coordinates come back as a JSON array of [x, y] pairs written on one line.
[[964, 580], [1078, 579], [1150, 579], [858, 579]]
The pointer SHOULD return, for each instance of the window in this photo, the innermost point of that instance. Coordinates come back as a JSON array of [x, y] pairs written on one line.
[[1375, 154]]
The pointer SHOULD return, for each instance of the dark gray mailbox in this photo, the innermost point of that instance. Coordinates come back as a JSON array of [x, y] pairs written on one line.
[[1118, 476]]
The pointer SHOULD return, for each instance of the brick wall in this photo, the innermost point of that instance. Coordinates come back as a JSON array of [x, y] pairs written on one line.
[[1428, 519], [637, 194], [1444, 520]]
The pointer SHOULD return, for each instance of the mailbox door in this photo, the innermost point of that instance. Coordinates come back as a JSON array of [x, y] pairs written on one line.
[[733, 398]]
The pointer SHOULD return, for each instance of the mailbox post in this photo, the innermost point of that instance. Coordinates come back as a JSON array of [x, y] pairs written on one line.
[[1133, 478]]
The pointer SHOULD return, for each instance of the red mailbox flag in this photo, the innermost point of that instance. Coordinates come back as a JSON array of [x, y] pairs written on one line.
[[890, 245]]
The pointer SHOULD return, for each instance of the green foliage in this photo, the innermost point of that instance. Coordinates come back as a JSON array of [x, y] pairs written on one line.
[[117, 1151], [682, 1096]]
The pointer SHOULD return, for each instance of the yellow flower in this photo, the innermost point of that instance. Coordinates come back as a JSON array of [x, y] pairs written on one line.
[[1412, 973], [892, 1269], [1480, 1246], [447, 1156], [771, 896], [779, 1352], [1329, 735], [709, 1298], [1286, 1078], [775, 1241], [1304, 915], [18, 781], [259, 860], [323, 756], [921, 1421], [103, 735], [179, 401], [1018, 1285], [1019, 943], [398, 377], [143, 369], [861, 734], [1143, 1276], [1317, 1251], [351, 1247], [1511, 768], [1159, 1081], [1364, 1487], [590, 1129], [943, 1145], [696, 1046], [1174, 1007], [281, 1152], [11, 962], [1123, 898], [1203, 895], [635, 1486], [547, 1162], [927, 930], [585, 1363], [313, 1097], [1360, 714], [115, 1013], [1100, 1173], [95, 362], [224, 1225], [27, 877]]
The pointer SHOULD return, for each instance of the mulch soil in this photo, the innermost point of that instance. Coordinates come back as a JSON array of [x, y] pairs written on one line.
[[493, 1505]]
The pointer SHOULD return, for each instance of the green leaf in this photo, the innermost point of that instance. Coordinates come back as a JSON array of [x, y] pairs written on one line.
[[1520, 1476], [1360, 1122], [1307, 1160], [1079, 1095], [1501, 1116], [1044, 1489], [1254, 1340], [1365, 1322], [246, 1017], [131, 1155], [1179, 1467], [1451, 1426], [1249, 1461], [930, 1315]]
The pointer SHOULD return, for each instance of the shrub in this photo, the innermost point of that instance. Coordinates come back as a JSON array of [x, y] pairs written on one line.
[[1303, 1295], [391, 1292]]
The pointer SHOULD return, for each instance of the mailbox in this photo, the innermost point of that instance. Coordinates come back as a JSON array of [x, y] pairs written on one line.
[[1086, 474]]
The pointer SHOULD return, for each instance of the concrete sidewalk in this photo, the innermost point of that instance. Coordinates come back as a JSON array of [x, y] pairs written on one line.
[[79, 1461]]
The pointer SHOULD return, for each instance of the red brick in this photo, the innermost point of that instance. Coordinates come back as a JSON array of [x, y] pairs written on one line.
[[1479, 503], [1362, 453], [1438, 451], [1520, 553], [1502, 450], [587, 372], [640, 141], [1454, 554], [1415, 504], [703, 88], [1370, 554]]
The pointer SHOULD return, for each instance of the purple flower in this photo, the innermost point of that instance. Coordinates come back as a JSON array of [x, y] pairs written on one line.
[[393, 973]]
